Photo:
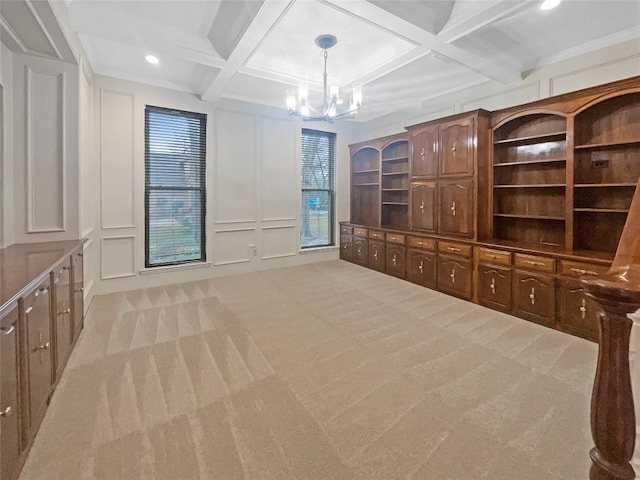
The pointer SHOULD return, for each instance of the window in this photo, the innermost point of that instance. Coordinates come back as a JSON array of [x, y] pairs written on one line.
[[175, 188], [318, 173]]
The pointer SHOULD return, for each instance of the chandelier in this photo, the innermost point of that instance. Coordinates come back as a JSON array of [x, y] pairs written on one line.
[[331, 108]]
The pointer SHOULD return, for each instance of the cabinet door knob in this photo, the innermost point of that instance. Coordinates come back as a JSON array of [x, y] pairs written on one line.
[[583, 309], [42, 347], [359, 251], [421, 266], [493, 286], [394, 259], [422, 153], [453, 275], [532, 296], [453, 148], [422, 207], [6, 412], [375, 255], [453, 209], [65, 312], [81, 289]]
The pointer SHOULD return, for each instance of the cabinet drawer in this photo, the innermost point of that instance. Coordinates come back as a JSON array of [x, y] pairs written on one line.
[[423, 243], [360, 232], [494, 287], [452, 248], [395, 238], [534, 262], [376, 234], [347, 230], [455, 276], [578, 269], [489, 255], [395, 261], [534, 297], [376, 255]]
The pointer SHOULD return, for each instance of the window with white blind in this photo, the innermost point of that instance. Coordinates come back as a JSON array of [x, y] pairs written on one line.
[[318, 188], [175, 186]]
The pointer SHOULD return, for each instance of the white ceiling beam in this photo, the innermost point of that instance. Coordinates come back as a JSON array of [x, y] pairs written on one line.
[[264, 22]]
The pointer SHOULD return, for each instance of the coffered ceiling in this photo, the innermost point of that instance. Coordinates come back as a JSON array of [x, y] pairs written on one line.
[[402, 52]]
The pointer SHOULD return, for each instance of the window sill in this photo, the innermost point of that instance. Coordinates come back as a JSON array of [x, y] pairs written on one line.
[[310, 250], [174, 268]]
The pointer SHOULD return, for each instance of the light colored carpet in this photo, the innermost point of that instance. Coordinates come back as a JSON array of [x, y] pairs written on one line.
[[324, 371]]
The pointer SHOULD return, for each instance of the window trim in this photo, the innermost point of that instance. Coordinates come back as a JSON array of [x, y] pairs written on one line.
[[201, 188], [331, 191]]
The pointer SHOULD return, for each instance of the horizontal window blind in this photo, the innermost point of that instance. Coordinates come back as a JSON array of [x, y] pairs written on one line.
[[318, 184], [175, 186]]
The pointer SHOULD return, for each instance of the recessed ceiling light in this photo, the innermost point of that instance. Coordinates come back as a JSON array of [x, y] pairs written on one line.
[[152, 59], [549, 4]]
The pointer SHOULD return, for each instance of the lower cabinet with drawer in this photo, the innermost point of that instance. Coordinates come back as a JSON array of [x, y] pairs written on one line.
[[421, 261]]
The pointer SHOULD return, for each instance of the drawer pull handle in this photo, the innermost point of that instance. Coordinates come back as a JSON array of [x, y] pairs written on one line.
[[453, 209], [394, 260], [491, 255], [8, 330], [422, 154], [453, 249], [580, 271], [583, 309], [65, 312], [493, 286], [421, 266], [532, 296], [422, 207], [6, 412], [534, 263]]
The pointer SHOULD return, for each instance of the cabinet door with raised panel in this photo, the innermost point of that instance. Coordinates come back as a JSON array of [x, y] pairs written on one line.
[[346, 247], [494, 287], [424, 156], [456, 208], [62, 315], [534, 297], [421, 267], [456, 148], [376, 255], [37, 320], [9, 415], [424, 206], [360, 250], [395, 260], [577, 313], [455, 276]]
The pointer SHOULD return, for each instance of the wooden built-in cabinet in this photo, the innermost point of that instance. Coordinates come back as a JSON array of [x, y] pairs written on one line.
[[41, 312], [509, 209]]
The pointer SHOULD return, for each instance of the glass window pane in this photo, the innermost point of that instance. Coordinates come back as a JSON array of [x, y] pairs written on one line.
[[316, 218]]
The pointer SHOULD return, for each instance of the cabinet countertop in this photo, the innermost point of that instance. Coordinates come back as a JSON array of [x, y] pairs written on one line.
[[23, 265]]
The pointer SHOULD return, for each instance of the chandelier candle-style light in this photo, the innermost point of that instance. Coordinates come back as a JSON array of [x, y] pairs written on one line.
[[298, 102]]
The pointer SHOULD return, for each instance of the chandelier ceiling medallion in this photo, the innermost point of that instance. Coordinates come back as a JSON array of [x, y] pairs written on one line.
[[330, 110]]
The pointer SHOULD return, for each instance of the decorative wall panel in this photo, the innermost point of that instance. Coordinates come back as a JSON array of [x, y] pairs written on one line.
[[234, 176], [587, 77], [45, 151], [279, 187], [279, 241], [116, 160], [234, 246], [117, 257]]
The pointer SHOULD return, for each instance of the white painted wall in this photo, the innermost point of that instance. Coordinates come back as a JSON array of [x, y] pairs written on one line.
[[253, 186], [6, 147]]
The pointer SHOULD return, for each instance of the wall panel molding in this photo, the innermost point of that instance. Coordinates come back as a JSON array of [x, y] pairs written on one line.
[[233, 245], [117, 160], [117, 257], [279, 241], [45, 151]]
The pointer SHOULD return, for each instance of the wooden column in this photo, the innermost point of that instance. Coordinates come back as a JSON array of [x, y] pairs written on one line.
[[612, 410]]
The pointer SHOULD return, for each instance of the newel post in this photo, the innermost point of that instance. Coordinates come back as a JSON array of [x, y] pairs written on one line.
[[612, 409]]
